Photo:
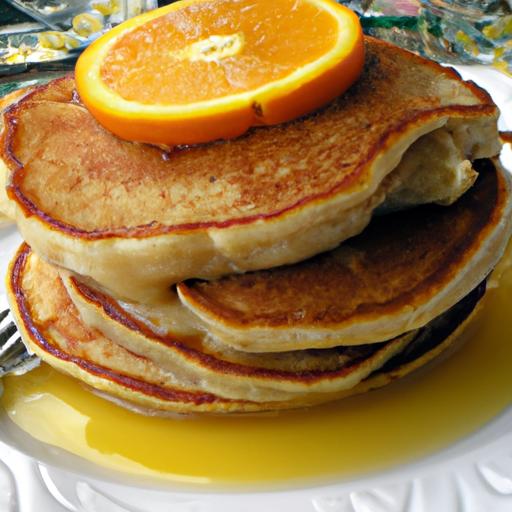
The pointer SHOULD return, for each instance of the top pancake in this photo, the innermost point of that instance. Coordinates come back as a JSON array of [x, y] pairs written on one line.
[[276, 195], [262, 174]]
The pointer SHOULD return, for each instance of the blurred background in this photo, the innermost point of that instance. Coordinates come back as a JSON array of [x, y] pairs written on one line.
[[46, 36]]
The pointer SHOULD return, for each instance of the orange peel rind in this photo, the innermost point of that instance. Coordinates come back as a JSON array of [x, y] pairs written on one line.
[[137, 105]]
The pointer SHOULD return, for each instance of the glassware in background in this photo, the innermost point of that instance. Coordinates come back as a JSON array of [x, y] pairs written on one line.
[[393, 20], [60, 29], [454, 31], [467, 31]]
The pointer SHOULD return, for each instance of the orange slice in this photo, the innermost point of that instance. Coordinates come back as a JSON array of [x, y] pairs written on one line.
[[200, 70]]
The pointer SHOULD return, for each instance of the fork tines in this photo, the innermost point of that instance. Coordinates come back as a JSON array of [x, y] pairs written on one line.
[[14, 356]]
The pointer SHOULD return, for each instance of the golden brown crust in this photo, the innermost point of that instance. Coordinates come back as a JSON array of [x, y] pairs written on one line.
[[395, 261], [52, 325], [401, 261], [57, 334], [263, 175], [105, 208], [337, 362], [55, 310], [5, 102], [75, 331]]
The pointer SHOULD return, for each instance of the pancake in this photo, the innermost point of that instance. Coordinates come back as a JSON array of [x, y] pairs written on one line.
[[190, 363], [6, 209], [410, 254], [404, 270], [52, 328], [107, 209]]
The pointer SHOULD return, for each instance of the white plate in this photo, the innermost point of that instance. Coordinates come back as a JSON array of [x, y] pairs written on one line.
[[473, 475]]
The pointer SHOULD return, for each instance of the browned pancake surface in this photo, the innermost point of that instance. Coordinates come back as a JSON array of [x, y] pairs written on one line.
[[400, 260], [45, 313], [52, 310], [78, 344], [58, 151], [300, 365]]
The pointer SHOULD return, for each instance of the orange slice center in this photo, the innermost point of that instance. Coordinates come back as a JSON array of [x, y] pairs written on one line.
[[227, 55], [200, 70]]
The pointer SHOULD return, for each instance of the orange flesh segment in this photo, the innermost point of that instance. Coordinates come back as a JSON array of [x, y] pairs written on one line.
[[259, 44], [200, 70]]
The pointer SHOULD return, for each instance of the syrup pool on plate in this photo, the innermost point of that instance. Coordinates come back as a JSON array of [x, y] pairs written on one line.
[[408, 419]]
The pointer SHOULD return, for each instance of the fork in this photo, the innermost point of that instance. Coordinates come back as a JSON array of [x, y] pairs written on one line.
[[15, 358]]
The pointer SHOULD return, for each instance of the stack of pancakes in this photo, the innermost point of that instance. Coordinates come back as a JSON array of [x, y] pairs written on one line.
[[294, 265]]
